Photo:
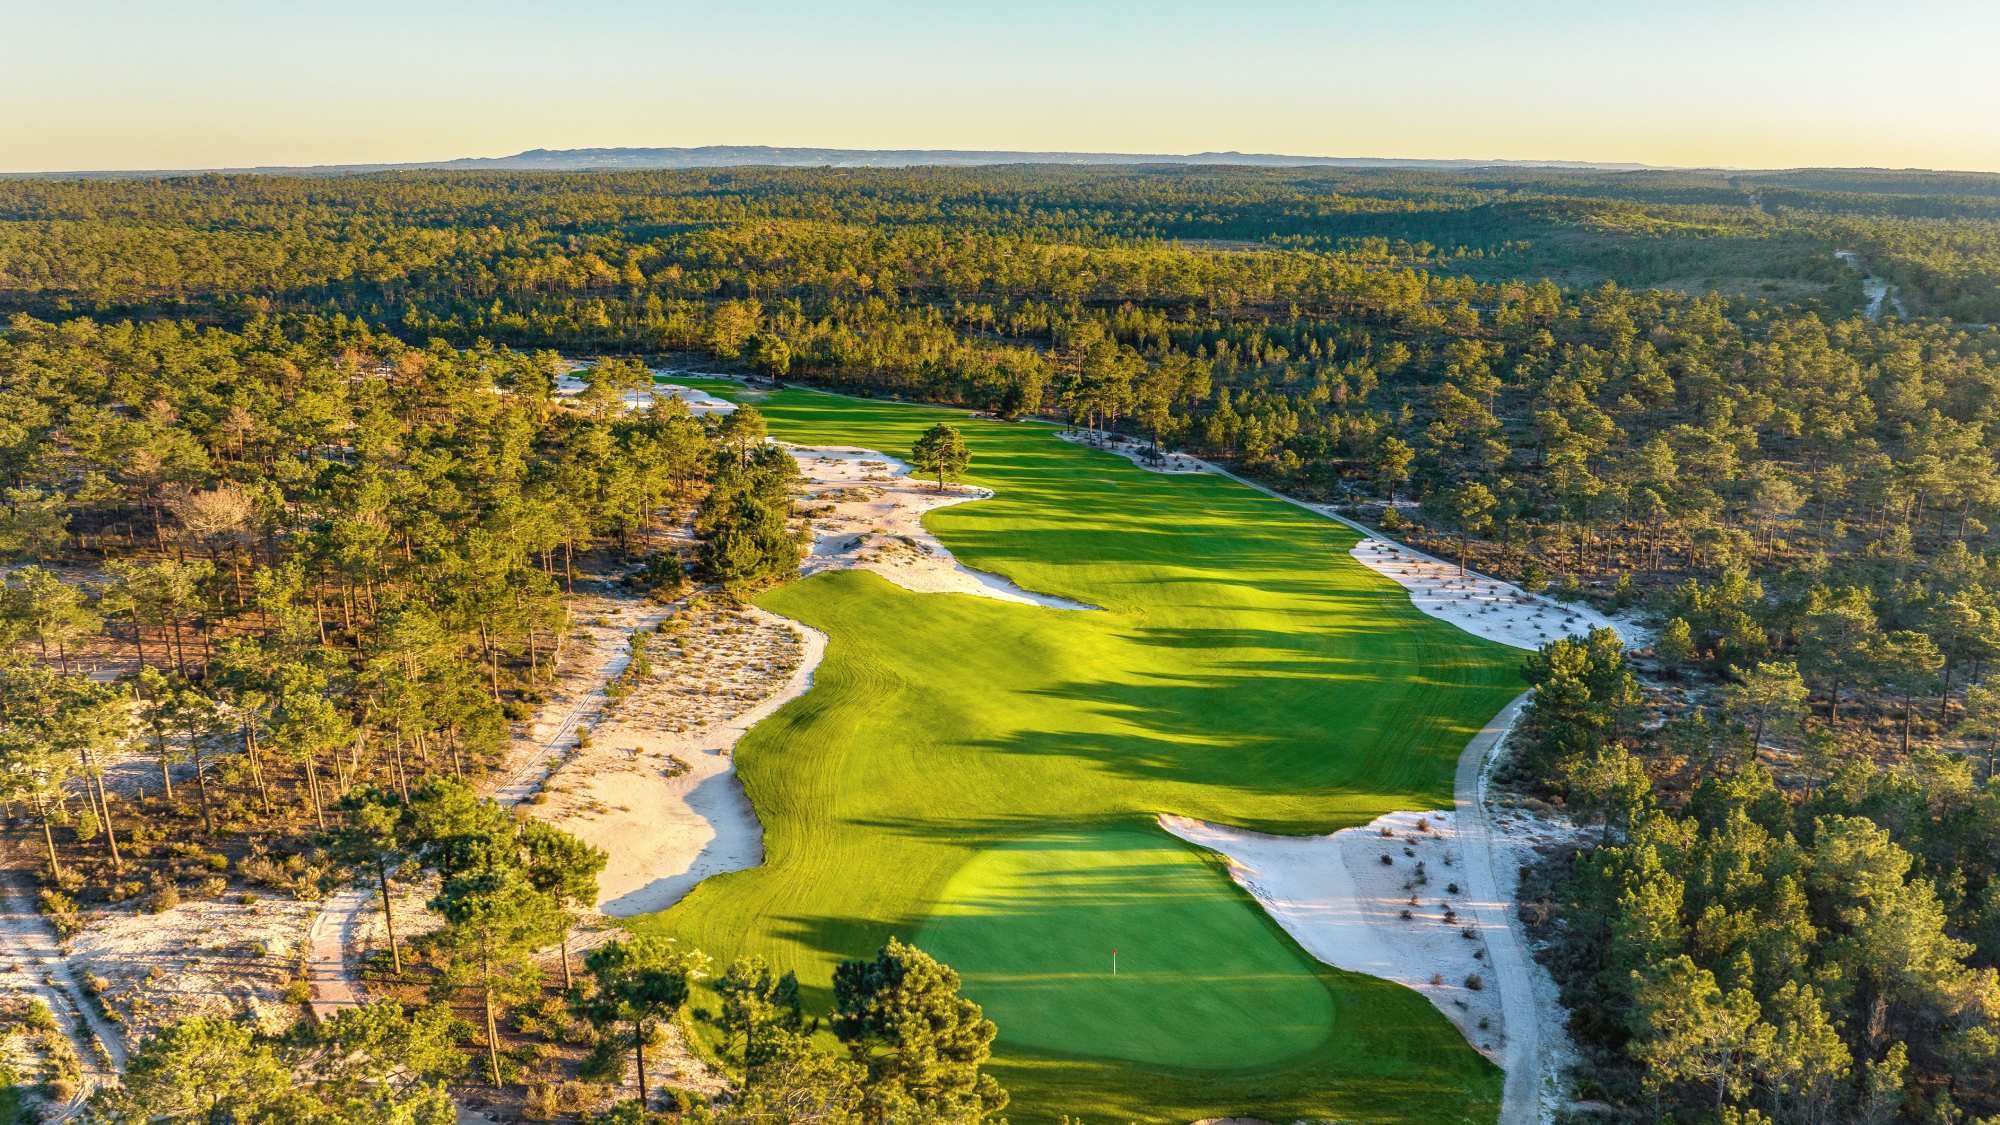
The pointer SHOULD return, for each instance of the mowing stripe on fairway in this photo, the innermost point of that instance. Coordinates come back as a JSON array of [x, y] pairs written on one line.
[[980, 777]]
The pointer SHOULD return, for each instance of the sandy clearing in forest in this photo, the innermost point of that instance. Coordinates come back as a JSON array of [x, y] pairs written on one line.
[[1343, 905], [867, 513], [212, 957], [1873, 288], [699, 402]]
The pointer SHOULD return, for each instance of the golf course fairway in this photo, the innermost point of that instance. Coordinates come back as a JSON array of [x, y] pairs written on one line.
[[982, 778]]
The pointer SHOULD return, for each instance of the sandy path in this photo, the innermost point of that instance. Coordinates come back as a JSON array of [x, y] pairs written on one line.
[[1342, 905], [1876, 290], [1535, 1031], [606, 623], [32, 962]]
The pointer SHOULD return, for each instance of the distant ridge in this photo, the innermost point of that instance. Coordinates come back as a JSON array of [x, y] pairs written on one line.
[[722, 156], [727, 156], [740, 156]]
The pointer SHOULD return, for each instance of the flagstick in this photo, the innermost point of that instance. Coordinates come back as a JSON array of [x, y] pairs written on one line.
[[1114, 962]]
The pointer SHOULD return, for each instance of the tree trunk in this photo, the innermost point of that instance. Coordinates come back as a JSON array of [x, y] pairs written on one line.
[[639, 1048], [312, 784], [492, 1031], [389, 918], [49, 838], [110, 833], [201, 785], [166, 775], [402, 774], [256, 766]]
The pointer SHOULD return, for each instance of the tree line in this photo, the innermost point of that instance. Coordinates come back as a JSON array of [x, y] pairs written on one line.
[[264, 584]]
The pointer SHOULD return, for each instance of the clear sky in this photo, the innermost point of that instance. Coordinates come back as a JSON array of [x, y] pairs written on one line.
[[1758, 83]]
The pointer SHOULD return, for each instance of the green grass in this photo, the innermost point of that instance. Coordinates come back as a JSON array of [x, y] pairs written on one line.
[[1036, 921], [982, 778]]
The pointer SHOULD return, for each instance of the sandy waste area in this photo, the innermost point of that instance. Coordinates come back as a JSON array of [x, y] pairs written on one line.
[[1428, 900], [867, 513], [698, 401], [1485, 607], [656, 787], [1409, 920]]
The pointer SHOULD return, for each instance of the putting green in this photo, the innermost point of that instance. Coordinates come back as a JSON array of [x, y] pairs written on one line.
[[1034, 924], [981, 777]]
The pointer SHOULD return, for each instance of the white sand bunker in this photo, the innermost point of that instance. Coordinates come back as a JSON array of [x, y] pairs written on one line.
[[657, 786], [1427, 900], [643, 398], [1410, 920], [867, 514], [699, 401], [1137, 452], [1482, 606]]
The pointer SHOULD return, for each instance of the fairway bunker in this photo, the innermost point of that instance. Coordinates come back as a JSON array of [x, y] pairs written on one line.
[[867, 514]]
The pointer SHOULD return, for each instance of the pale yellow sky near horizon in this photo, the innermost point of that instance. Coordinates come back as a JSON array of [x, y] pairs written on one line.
[[100, 84]]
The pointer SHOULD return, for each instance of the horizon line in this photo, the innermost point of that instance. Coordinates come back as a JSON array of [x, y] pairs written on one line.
[[1046, 156]]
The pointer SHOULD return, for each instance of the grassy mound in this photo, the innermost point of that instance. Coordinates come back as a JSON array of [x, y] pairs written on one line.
[[980, 777]]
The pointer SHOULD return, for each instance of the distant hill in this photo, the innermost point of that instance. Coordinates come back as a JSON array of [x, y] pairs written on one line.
[[1918, 181], [722, 156], [725, 156]]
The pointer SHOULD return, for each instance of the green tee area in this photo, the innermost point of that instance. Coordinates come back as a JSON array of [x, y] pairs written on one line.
[[982, 778]]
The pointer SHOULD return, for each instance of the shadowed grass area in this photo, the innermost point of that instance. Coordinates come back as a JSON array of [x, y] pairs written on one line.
[[982, 777]]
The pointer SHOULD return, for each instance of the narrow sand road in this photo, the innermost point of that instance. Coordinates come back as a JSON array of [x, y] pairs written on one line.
[[32, 963], [609, 618], [1874, 289], [1527, 1056]]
